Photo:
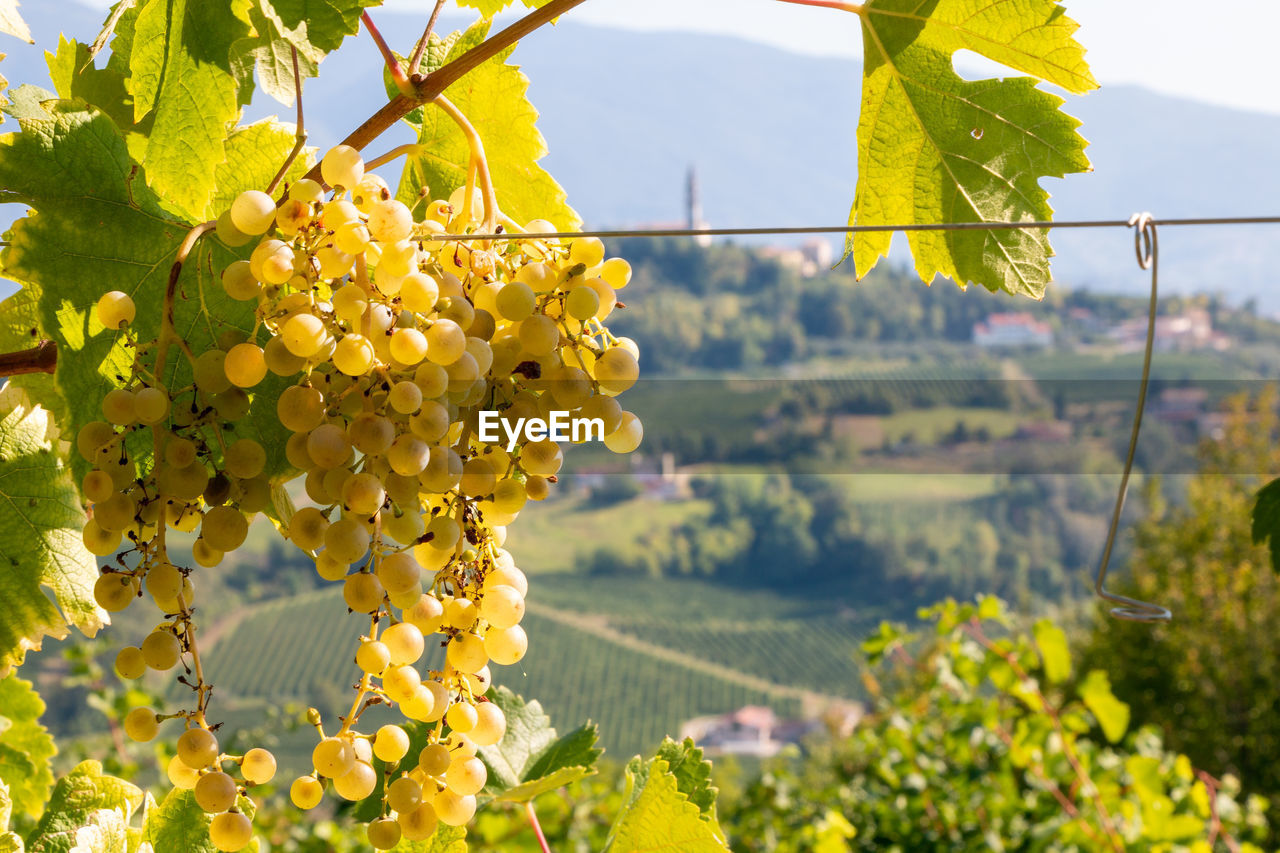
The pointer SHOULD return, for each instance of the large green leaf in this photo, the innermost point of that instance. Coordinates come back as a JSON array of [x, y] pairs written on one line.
[[1111, 713], [181, 67], [26, 747], [531, 759], [658, 816], [74, 76], [489, 8], [40, 536], [1054, 652], [10, 842], [95, 228], [693, 774], [327, 22], [178, 823], [77, 796], [255, 153], [493, 97], [933, 147]]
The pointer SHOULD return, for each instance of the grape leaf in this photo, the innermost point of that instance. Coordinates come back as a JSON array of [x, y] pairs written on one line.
[[10, 842], [933, 147], [446, 839], [435, 55], [1112, 714], [11, 22], [1266, 520], [76, 797], [489, 8], [693, 774], [40, 536], [74, 76], [181, 67], [178, 823], [26, 747], [1052, 642], [255, 153], [328, 22], [530, 759], [96, 228], [658, 815], [493, 98]]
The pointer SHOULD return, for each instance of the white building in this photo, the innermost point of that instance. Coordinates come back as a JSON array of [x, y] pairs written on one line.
[[1012, 329]]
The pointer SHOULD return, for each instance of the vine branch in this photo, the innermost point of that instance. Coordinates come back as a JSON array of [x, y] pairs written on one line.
[[434, 84], [41, 358], [301, 131], [537, 827], [421, 47]]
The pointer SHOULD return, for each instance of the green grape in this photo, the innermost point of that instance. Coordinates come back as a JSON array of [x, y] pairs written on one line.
[[538, 276], [346, 540], [390, 221], [130, 663], [491, 725], [116, 512], [627, 436], [452, 809], [342, 167], [431, 422], [119, 407], [93, 436], [506, 574], [228, 233], [245, 458], [616, 370], [404, 643], [303, 334], [164, 581], [502, 606], [205, 554], [421, 705], [616, 272], [151, 405], [383, 833], [357, 783], [588, 251], [371, 434], [253, 212], [141, 725], [462, 718], [373, 656], [113, 592], [179, 452], [306, 792], [445, 342], [350, 302], [419, 824], [215, 792], [279, 360], [371, 189], [230, 832], [116, 309], [300, 408], [307, 528], [391, 744], [197, 748], [541, 458], [333, 757], [419, 293], [404, 794], [258, 766], [239, 283], [539, 335], [351, 237], [506, 646], [245, 365], [408, 455], [307, 190], [328, 447], [161, 650], [354, 355], [408, 347], [582, 303], [608, 298], [405, 397], [478, 477], [427, 615], [466, 776], [515, 301], [434, 760], [362, 592], [224, 528], [334, 264], [463, 373], [460, 613], [467, 652], [363, 494], [401, 682], [180, 775]]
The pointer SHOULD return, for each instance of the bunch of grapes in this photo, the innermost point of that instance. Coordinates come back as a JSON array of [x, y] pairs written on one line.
[[394, 333]]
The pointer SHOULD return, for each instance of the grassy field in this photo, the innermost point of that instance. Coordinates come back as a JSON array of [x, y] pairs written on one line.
[[929, 426]]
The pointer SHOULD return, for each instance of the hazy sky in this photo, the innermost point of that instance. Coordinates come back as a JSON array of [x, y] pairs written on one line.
[[1225, 54]]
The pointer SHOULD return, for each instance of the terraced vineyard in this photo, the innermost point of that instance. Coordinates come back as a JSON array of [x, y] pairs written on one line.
[[289, 650]]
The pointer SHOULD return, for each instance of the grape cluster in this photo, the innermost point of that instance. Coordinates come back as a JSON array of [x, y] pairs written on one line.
[[392, 333]]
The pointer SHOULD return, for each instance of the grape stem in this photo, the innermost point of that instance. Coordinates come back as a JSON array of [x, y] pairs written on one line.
[[478, 158], [301, 133], [427, 88], [421, 48], [41, 358], [393, 64], [537, 827], [398, 151], [855, 8]]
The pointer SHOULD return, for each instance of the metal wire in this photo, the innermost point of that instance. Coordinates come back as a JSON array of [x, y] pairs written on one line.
[[849, 229]]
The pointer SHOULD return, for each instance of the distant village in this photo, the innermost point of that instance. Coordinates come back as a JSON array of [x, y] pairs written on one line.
[[1189, 330]]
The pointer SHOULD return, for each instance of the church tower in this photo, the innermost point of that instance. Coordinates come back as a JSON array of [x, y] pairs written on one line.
[[693, 206]]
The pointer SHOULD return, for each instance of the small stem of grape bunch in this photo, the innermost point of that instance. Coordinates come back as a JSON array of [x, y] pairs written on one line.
[[393, 64], [537, 827], [477, 157], [41, 358], [300, 133]]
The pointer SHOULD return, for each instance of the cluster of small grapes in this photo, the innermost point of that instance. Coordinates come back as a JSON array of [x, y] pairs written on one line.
[[189, 488], [394, 334]]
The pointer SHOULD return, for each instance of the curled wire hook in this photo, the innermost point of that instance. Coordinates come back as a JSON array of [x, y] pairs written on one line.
[[1147, 248]]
